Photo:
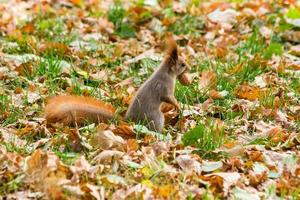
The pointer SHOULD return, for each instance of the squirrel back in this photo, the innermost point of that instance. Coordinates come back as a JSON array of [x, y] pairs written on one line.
[[77, 109]]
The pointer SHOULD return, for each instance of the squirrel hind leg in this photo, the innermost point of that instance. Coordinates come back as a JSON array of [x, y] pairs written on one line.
[[157, 124]]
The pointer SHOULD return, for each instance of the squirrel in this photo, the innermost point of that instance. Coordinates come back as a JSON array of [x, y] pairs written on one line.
[[145, 106]]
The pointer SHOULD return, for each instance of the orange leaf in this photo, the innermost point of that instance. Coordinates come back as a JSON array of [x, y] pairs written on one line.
[[208, 79], [25, 130], [132, 145], [235, 69], [276, 135], [256, 179], [76, 2], [164, 191], [18, 90], [28, 28], [58, 47], [215, 94], [248, 92], [124, 131], [255, 156]]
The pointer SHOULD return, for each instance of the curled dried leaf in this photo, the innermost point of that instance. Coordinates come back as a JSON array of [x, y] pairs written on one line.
[[185, 78]]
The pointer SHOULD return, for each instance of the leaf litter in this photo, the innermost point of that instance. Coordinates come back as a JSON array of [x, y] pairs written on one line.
[[236, 137]]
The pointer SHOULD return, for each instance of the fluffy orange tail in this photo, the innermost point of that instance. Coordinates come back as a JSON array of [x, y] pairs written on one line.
[[71, 110]]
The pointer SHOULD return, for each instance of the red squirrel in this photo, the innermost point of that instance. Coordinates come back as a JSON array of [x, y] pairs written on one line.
[[145, 106]]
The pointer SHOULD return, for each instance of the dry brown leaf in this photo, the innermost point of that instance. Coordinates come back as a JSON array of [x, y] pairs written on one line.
[[164, 191], [39, 166], [125, 131], [106, 26], [185, 78], [188, 164], [207, 79], [106, 139], [25, 68], [100, 75], [277, 135], [256, 179], [80, 165], [96, 191], [131, 145], [224, 180], [255, 156], [76, 2], [125, 82], [28, 28], [10, 136], [160, 148], [107, 156], [215, 94], [248, 92], [60, 48]]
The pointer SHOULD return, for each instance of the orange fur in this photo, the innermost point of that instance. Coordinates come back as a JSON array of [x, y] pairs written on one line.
[[76, 109], [171, 52]]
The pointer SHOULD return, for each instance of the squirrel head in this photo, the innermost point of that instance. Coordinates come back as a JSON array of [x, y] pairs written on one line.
[[172, 59]]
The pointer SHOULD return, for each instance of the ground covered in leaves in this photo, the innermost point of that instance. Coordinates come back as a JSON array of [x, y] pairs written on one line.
[[236, 136]]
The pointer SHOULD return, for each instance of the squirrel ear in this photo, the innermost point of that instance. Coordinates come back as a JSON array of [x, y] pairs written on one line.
[[171, 52]]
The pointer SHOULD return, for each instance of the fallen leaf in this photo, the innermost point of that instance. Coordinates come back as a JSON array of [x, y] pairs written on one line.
[[242, 194], [295, 50], [211, 166], [100, 75], [132, 145], [107, 156], [223, 17], [114, 179], [189, 164], [248, 92], [106, 139], [96, 191], [228, 179], [207, 79]]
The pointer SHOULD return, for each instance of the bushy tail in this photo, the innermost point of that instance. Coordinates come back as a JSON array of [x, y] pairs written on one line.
[[71, 110]]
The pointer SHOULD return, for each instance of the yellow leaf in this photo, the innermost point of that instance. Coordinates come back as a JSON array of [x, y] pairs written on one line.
[[148, 183], [147, 172]]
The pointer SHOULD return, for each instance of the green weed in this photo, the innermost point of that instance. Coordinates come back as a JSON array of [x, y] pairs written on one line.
[[116, 15], [203, 137], [12, 185], [188, 24], [67, 157]]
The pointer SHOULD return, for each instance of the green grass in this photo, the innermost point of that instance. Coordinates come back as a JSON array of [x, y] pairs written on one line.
[[203, 137], [117, 15], [189, 95], [67, 158], [11, 185], [259, 141], [254, 44], [22, 46], [189, 25], [50, 28], [268, 100], [295, 85], [10, 113]]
